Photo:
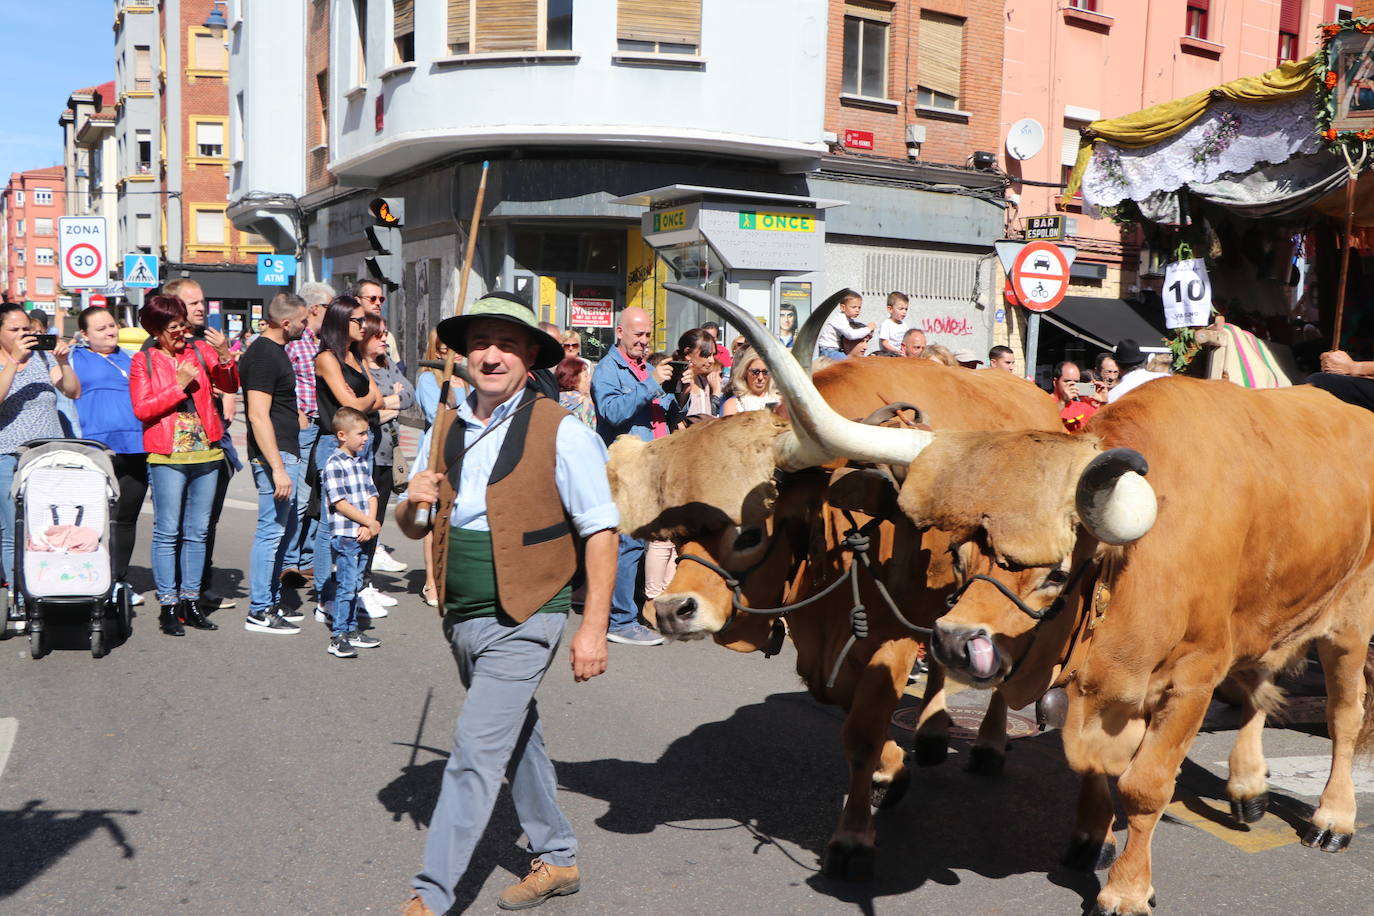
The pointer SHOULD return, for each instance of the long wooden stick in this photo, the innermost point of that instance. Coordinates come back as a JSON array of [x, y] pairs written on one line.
[[1345, 258], [436, 442]]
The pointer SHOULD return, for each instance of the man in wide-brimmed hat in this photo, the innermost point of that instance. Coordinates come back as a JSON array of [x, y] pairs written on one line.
[[520, 482], [1131, 360]]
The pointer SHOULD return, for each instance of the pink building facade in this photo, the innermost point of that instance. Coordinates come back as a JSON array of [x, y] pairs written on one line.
[[31, 207], [1069, 62]]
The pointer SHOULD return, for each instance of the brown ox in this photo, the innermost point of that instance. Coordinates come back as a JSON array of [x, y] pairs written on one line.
[[1262, 546], [715, 489]]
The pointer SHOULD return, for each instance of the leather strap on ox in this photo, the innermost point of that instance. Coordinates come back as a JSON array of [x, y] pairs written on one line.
[[1048, 613]]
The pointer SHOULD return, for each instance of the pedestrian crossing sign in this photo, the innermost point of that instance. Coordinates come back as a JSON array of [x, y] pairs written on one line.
[[140, 270]]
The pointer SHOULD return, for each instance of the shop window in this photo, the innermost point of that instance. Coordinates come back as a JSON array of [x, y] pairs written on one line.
[[864, 70], [502, 26], [551, 252], [1196, 23], [939, 66], [403, 31], [659, 26], [42, 197]]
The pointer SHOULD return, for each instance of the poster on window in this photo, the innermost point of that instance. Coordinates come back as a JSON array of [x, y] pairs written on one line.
[[1187, 295], [1351, 57], [591, 313]]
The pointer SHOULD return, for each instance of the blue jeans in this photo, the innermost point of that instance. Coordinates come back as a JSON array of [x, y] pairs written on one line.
[[832, 353], [324, 564], [300, 547], [276, 530], [498, 732], [348, 578], [7, 466], [624, 607], [183, 495]]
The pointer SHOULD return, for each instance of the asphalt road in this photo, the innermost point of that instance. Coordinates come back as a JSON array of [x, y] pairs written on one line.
[[237, 773]]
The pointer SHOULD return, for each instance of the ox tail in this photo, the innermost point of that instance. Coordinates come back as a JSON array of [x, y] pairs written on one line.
[[1364, 744]]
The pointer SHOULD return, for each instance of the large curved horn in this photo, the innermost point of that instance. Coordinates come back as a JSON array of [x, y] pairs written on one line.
[[1115, 502], [804, 344], [888, 411], [819, 434]]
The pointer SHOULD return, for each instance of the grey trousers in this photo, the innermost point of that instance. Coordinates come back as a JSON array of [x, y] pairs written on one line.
[[498, 733]]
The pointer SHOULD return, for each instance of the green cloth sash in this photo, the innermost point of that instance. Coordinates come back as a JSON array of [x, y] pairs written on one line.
[[470, 581]]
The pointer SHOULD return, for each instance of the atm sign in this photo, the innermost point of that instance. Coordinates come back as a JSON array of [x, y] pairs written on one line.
[[777, 222], [670, 220]]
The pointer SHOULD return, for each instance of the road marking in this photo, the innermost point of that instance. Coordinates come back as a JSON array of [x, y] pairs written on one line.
[[8, 727]]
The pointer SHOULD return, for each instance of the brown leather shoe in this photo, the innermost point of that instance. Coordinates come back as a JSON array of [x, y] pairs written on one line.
[[543, 881], [416, 907]]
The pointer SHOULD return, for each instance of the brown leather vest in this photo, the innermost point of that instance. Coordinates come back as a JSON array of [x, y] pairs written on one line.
[[532, 542]]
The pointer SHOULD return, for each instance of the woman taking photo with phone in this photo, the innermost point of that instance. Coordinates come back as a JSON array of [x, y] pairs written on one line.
[[107, 415], [172, 386], [30, 379], [698, 389]]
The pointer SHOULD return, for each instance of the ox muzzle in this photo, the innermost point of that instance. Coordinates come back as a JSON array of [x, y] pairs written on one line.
[[969, 653]]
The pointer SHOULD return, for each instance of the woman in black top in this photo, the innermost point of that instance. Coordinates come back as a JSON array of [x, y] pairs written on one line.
[[340, 381]]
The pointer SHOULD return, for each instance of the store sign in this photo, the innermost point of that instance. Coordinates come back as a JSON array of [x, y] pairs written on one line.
[[1044, 228], [1187, 295], [591, 313], [775, 239], [777, 222], [673, 226], [669, 220], [858, 139]]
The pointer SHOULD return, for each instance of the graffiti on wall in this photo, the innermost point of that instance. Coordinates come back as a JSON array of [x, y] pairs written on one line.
[[947, 326]]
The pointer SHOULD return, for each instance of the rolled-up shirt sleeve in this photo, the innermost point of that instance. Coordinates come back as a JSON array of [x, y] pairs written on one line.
[[580, 473]]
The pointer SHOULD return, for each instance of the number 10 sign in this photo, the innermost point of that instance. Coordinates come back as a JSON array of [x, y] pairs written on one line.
[[1187, 295]]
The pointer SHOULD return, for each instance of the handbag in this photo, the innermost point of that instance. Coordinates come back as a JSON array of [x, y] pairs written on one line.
[[400, 468]]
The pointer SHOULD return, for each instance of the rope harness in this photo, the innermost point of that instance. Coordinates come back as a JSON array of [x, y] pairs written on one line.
[[857, 541]]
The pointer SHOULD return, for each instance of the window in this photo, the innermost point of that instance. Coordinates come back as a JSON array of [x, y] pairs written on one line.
[[42, 226], [939, 66], [360, 43], [42, 197], [210, 227], [1089, 5], [19, 256], [23, 286], [143, 232], [865, 50], [322, 92], [19, 224], [249, 239], [143, 69], [208, 51], [659, 26], [44, 257], [497, 26], [403, 31], [19, 198], [1068, 149], [210, 139], [145, 151], [1196, 25], [1290, 15], [1343, 11], [43, 286]]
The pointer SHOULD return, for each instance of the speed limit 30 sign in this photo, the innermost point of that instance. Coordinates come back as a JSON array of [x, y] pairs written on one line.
[[83, 251]]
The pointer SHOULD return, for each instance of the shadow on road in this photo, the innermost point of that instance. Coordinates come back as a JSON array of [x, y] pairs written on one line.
[[35, 838]]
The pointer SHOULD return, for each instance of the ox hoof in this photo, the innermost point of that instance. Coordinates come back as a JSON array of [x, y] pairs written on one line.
[[985, 761], [890, 794], [1326, 840], [1249, 810], [1124, 909], [930, 750], [848, 862], [1089, 855]]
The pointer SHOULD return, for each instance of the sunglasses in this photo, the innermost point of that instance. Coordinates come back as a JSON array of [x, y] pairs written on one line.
[[377, 299], [358, 320], [571, 346], [759, 373]]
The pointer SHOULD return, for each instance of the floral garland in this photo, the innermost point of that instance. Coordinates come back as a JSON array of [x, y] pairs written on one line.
[[1327, 78]]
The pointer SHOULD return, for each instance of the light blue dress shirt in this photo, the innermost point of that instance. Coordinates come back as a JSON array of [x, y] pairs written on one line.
[[579, 471]]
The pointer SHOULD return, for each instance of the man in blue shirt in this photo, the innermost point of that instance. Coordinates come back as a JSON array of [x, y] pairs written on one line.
[[629, 398], [520, 476]]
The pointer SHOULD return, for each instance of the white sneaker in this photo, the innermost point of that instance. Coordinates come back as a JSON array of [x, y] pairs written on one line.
[[381, 598], [383, 561], [371, 606], [136, 598]]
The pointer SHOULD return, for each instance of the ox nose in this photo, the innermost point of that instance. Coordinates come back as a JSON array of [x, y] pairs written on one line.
[[965, 649], [674, 610]]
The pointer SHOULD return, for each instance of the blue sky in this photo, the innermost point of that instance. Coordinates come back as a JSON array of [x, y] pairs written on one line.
[[51, 48]]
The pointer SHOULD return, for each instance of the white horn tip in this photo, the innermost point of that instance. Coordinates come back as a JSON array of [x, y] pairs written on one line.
[[1126, 511]]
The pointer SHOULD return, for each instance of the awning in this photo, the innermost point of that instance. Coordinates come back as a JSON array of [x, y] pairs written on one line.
[[1104, 322]]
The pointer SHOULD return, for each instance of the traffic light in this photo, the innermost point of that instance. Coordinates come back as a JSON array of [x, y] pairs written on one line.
[[384, 236]]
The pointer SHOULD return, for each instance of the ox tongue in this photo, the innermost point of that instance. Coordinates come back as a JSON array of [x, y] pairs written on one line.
[[982, 661]]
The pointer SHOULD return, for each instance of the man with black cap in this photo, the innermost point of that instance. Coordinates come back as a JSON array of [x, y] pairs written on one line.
[[520, 482], [1133, 372]]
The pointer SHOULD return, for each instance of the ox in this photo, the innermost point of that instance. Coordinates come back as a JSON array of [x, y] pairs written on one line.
[[749, 496], [1262, 545]]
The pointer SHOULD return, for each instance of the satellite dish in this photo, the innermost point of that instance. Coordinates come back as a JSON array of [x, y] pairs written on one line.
[[1025, 139]]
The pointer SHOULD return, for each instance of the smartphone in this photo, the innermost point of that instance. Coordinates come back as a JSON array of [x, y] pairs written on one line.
[[43, 341], [215, 320], [674, 380]]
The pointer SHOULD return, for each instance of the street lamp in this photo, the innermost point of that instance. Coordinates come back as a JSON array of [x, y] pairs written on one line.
[[216, 22]]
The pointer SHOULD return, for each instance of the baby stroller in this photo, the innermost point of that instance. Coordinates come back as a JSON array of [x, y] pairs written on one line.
[[64, 494]]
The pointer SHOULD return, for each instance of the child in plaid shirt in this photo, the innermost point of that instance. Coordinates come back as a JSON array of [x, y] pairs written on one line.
[[352, 500]]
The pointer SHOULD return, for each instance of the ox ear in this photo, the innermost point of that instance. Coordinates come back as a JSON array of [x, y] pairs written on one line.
[[700, 479], [1015, 487]]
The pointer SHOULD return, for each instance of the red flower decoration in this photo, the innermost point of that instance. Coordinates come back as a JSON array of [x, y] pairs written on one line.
[[1330, 79], [1329, 135], [1332, 30], [1365, 27]]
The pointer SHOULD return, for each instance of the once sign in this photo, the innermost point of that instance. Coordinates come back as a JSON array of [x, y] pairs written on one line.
[[82, 253], [1040, 276]]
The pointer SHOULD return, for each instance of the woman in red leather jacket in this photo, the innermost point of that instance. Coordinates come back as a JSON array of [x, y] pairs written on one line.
[[172, 385]]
